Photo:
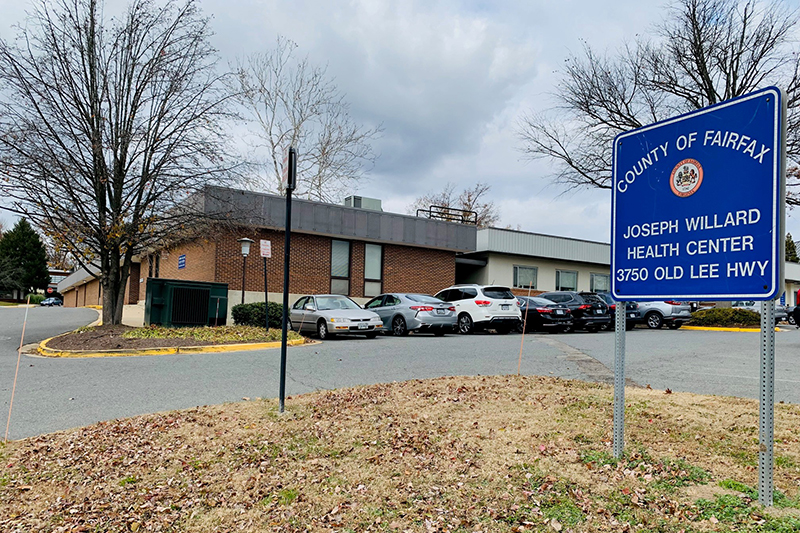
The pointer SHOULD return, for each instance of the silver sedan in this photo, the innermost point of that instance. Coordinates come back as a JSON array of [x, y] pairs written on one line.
[[401, 313], [329, 315]]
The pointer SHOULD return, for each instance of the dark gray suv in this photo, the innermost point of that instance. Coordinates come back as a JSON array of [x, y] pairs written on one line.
[[589, 311]]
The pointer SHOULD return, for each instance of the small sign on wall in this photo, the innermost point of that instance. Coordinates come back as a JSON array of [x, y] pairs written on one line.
[[181, 261]]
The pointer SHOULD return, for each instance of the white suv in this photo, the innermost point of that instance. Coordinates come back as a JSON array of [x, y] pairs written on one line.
[[483, 307]]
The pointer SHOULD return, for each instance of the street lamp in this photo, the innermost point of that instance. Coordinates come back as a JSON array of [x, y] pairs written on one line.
[[245, 242]]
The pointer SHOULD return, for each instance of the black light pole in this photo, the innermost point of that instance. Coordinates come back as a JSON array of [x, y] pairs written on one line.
[[291, 182], [245, 242]]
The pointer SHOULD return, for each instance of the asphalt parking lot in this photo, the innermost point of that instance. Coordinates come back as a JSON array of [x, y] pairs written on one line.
[[54, 394]]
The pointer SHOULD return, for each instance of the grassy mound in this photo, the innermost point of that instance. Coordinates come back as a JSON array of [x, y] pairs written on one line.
[[461, 454]]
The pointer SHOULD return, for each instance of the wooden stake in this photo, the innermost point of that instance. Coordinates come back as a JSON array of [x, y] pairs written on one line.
[[16, 373], [524, 325]]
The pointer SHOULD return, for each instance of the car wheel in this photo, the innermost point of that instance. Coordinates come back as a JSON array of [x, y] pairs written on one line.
[[674, 325], [372, 335], [654, 320], [465, 325], [322, 331], [790, 320], [289, 325], [399, 328]]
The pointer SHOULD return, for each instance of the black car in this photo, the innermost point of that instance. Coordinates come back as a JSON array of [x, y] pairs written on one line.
[[589, 311], [539, 314], [50, 302], [631, 311]]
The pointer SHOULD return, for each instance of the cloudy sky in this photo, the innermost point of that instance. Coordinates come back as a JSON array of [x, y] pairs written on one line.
[[448, 80]]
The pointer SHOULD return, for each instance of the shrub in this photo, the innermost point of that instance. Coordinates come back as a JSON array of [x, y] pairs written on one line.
[[36, 299], [253, 314], [725, 317]]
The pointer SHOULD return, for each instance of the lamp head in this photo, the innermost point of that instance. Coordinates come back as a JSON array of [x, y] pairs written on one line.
[[245, 242]]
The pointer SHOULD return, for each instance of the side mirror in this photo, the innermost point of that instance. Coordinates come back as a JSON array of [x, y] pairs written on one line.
[[309, 307]]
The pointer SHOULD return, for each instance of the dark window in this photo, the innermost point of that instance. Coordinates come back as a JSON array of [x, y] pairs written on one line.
[[300, 303], [375, 302], [373, 269], [340, 267], [498, 293], [392, 300], [468, 294], [566, 280], [445, 295]]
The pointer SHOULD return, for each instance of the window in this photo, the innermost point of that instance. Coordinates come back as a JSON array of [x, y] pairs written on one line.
[[300, 303], [154, 265], [566, 280], [525, 277], [498, 293], [392, 300], [373, 269], [340, 267], [375, 302], [467, 294], [599, 283]]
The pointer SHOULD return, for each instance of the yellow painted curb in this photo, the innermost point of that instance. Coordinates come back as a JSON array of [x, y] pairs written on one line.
[[51, 352], [705, 328]]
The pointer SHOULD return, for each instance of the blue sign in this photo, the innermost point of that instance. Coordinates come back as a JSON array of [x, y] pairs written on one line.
[[181, 261], [783, 299], [698, 204]]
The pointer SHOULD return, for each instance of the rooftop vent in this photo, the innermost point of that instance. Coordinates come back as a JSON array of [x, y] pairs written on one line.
[[373, 204]]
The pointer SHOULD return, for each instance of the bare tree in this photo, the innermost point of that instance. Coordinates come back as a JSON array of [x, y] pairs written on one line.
[[704, 52], [470, 199], [107, 126], [293, 103]]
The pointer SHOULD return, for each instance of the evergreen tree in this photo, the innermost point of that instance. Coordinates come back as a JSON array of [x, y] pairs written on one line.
[[24, 258], [791, 250]]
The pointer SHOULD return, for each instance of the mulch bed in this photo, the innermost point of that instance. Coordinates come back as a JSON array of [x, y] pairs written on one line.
[[110, 338]]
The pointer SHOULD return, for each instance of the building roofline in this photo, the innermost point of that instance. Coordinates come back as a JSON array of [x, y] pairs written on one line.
[[545, 235]]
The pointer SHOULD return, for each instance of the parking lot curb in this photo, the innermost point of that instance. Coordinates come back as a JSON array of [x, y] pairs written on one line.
[[741, 330], [46, 351]]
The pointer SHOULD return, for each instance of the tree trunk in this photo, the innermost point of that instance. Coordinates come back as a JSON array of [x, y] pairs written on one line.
[[114, 283]]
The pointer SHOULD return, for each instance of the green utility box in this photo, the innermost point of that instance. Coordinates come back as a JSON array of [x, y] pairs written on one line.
[[173, 302]]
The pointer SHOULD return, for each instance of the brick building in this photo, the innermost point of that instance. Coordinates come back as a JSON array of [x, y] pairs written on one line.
[[335, 248]]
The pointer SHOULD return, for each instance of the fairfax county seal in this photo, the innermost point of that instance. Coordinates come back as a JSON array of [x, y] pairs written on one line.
[[686, 178]]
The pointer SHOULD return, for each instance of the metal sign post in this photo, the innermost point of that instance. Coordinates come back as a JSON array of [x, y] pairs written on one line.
[[290, 171], [619, 380], [698, 214], [766, 418]]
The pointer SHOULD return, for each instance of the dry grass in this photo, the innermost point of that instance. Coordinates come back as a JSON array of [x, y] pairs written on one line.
[[450, 454]]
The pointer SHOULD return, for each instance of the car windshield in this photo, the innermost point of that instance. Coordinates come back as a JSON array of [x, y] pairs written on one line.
[[329, 303], [498, 293], [423, 298]]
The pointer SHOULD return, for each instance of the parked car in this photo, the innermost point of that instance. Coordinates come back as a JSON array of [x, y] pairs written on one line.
[[790, 315], [539, 314], [402, 313], [632, 316], [329, 315], [781, 313], [589, 311], [483, 307], [50, 302], [672, 313]]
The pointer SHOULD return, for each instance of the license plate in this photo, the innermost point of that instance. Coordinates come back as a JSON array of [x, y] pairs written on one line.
[[598, 311], [363, 325], [440, 311], [559, 312], [505, 307], [631, 315]]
